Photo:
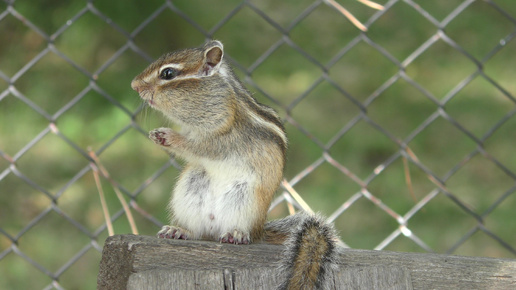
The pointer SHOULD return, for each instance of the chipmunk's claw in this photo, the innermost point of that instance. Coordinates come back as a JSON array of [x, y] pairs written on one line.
[[171, 232], [237, 238]]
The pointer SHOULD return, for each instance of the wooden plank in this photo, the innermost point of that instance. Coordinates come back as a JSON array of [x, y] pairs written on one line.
[[434, 271], [265, 278], [141, 261], [177, 279], [381, 277]]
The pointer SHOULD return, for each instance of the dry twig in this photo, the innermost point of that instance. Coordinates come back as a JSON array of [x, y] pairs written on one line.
[[350, 16], [97, 166]]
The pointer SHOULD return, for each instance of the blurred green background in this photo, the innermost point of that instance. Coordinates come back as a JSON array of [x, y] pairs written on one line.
[[70, 62]]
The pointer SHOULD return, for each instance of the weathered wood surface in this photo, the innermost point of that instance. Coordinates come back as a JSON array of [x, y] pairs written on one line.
[[142, 262]]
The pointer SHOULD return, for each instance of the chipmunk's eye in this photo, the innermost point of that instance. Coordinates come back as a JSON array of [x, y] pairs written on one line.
[[168, 73]]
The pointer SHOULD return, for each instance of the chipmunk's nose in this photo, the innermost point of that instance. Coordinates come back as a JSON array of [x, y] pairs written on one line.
[[135, 84]]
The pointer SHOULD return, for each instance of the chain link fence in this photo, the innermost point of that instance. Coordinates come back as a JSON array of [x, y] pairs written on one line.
[[403, 135]]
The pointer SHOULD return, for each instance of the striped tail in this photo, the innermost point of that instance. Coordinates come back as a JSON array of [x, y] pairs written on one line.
[[311, 251]]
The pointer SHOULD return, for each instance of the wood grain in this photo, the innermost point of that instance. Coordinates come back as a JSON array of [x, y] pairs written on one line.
[[142, 262]]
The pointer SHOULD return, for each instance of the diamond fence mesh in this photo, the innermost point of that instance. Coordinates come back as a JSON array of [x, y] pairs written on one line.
[[403, 135]]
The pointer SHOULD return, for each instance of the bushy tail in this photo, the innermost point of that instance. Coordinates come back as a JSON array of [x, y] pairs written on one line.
[[311, 250]]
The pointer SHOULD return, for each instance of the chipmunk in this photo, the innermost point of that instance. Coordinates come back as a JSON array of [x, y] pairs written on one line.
[[235, 152]]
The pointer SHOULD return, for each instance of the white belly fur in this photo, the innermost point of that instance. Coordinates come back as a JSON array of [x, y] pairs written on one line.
[[213, 198]]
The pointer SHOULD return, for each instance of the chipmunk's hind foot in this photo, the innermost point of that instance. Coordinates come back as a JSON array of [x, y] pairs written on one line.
[[237, 237], [171, 232]]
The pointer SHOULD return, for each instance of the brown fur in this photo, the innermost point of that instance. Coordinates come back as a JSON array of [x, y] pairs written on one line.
[[221, 122]]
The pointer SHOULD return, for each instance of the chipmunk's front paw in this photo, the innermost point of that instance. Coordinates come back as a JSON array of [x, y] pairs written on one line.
[[237, 237], [171, 232], [162, 136]]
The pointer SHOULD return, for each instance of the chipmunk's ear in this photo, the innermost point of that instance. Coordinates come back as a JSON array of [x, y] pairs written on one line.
[[213, 53]]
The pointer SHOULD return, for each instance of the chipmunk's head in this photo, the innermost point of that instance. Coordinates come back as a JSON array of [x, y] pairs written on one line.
[[188, 85]]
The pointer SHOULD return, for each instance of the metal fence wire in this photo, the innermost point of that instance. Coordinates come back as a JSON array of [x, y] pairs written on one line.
[[414, 155]]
